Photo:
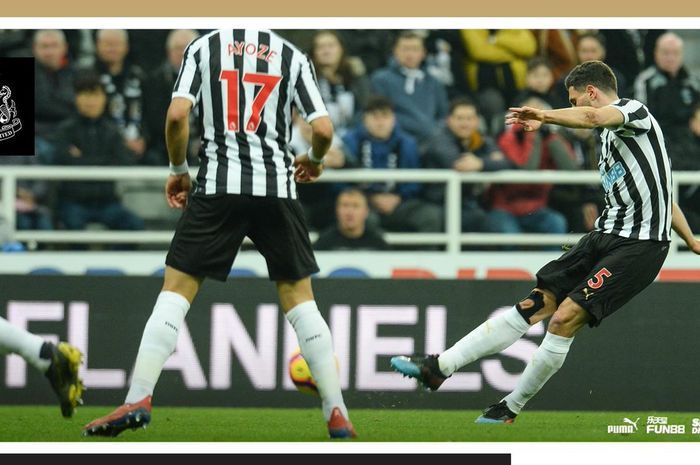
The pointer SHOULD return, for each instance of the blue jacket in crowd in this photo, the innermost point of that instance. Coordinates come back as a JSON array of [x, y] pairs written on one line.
[[399, 151], [417, 112]]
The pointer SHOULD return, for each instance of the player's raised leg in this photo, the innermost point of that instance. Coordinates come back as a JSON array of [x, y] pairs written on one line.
[[547, 360], [59, 363], [157, 344], [489, 338], [297, 300]]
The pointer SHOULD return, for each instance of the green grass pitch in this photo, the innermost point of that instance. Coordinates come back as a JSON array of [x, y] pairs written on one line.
[[181, 424]]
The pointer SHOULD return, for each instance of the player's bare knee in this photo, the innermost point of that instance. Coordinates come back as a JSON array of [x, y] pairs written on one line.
[[532, 304], [568, 319], [559, 325]]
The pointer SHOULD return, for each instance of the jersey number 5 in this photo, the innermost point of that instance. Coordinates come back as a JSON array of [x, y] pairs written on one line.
[[233, 116], [599, 278]]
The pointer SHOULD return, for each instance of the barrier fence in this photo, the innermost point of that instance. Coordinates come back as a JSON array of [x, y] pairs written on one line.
[[452, 239]]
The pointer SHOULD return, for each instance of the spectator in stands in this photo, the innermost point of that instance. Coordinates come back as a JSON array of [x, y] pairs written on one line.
[[92, 139], [343, 84], [123, 83], [379, 143], [459, 145], [517, 208], [495, 68], [157, 93], [557, 47], [438, 57], [53, 88], [686, 157], [590, 46], [31, 196], [317, 199], [419, 99], [538, 82], [351, 231], [668, 88]]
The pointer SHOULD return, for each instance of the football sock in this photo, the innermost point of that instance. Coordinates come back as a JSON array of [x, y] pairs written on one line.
[[546, 361], [157, 343], [317, 349], [490, 337], [23, 343]]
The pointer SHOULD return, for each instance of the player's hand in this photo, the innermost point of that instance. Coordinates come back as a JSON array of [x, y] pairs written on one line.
[[177, 189], [305, 170], [529, 118]]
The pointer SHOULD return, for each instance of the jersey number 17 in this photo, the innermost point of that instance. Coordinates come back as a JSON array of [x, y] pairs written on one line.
[[233, 84]]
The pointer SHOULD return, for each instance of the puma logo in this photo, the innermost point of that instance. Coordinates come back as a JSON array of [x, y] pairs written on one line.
[[586, 293], [630, 422]]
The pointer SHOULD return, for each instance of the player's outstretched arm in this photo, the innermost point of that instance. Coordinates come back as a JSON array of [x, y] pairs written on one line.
[[680, 225], [576, 117], [309, 166]]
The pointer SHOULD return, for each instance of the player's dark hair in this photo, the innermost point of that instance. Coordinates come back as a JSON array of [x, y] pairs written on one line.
[[378, 103], [594, 73], [87, 81], [462, 102]]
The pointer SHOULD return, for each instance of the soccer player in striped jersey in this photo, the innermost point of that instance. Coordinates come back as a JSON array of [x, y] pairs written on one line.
[[607, 267], [246, 83]]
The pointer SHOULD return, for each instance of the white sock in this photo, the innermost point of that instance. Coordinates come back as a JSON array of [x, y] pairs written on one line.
[[317, 349], [157, 343], [23, 343], [546, 361], [490, 337]]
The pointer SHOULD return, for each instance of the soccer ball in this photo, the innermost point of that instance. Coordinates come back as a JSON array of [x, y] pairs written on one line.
[[300, 374]]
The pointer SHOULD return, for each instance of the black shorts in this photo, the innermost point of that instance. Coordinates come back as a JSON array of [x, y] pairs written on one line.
[[212, 228], [602, 272]]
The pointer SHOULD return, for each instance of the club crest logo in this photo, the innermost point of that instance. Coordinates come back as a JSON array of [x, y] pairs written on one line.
[[10, 124], [17, 88]]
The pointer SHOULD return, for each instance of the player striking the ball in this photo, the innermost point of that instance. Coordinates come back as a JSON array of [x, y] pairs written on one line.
[[607, 267]]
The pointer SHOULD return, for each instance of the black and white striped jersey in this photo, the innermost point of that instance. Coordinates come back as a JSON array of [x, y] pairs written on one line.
[[246, 82], [636, 176]]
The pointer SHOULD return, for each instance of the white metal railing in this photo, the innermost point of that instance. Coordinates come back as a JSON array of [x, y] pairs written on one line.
[[452, 238]]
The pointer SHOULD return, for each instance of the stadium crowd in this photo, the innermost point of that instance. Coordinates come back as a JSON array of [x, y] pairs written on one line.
[[399, 99]]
